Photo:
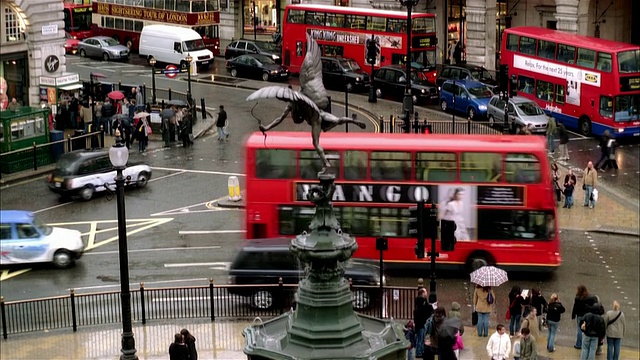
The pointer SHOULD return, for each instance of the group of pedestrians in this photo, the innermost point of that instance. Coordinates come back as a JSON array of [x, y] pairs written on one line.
[[183, 346]]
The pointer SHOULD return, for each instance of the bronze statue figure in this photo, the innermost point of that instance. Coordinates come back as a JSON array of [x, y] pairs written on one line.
[[309, 104]]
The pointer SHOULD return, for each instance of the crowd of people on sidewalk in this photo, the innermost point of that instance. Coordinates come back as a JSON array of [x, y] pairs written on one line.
[[529, 314]]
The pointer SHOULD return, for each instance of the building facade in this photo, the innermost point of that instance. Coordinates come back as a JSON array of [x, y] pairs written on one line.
[[31, 48], [478, 23]]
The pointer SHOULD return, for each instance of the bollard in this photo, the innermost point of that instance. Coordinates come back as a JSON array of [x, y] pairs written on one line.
[[119, 85], [169, 94], [162, 104], [35, 156], [234, 188], [392, 123], [204, 110], [382, 124]]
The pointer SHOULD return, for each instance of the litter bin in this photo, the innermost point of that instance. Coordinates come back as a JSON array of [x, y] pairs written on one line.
[[56, 149], [78, 143]]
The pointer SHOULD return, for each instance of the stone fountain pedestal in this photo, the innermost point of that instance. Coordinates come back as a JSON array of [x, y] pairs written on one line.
[[324, 324]]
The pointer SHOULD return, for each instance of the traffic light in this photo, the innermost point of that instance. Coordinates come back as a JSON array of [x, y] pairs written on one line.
[[447, 237], [372, 50], [504, 77], [513, 86], [416, 227], [406, 117]]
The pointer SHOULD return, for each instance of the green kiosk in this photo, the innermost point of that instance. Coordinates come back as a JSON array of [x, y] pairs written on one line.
[[19, 131]]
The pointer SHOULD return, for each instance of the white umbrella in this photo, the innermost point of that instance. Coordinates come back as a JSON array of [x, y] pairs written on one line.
[[489, 276], [141, 114]]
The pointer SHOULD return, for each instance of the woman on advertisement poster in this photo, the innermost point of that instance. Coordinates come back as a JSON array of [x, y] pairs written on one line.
[[453, 211]]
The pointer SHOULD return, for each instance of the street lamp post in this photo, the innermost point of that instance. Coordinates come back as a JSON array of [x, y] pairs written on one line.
[[189, 59], [118, 155], [152, 62], [407, 102]]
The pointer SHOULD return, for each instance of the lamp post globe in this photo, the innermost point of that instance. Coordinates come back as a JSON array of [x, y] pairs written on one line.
[[118, 153]]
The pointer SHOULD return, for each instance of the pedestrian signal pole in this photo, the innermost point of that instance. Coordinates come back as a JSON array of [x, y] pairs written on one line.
[[432, 229], [372, 54]]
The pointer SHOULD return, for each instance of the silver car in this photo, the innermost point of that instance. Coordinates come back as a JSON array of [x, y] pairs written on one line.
[[523, 111], [103, 47]]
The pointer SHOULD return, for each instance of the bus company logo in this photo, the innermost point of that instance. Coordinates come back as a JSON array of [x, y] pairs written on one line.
[[371, 193], [126, 11], [553, 108], [51, 63]]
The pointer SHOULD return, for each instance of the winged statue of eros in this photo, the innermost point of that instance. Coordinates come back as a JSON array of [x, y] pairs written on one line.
[[310, 104]]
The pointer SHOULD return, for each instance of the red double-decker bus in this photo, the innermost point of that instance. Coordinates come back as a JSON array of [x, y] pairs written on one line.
[[496, 188], [77, 18], [123, 20], [589, 84], [343, 31]]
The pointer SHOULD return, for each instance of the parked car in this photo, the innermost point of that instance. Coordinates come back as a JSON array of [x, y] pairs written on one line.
[[466, 72], [390, 81], [24, 240], [70, 44], [82, 173], [521, 110], [103, 47], [242, 47], [341, 73], [471, 97], [172, 44], [257, 66], [264, 261]]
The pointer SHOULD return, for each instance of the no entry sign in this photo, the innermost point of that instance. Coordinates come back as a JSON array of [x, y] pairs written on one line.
[[171, 71]]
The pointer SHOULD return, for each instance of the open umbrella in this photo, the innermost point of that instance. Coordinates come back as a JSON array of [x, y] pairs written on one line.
[[98, 75], [167, 113], [141, 114], [447, 337], [489, 276], [177, 102], [116, 95]]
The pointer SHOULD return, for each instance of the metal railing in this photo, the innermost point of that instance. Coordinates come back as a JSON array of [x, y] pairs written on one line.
[[462, 126], [150, 304]]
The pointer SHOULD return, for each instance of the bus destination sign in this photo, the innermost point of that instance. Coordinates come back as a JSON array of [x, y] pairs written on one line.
[[630, 83], [424, 41], [171, 17]]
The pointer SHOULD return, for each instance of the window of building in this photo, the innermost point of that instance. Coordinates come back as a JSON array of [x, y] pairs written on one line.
[[23, 128], [14, 28], [342, 2], [604, 62], [546, 49], [275, 164], [566, 53], [436, 166], [311, 165], [295, 17], [544, 90], [527, 45], [515, 225], [260, 16], [387, 165], [480, 167], [586, 58], [560, 94], [355, 165], [376, 23], [355, 22], [606, 106], [525, 84], [522, 169], [512, 42]]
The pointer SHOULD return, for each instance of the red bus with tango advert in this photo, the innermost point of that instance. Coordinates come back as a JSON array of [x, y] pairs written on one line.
[[123, 20], [496, 188], [77, 18], [343, 31], [588, 84]]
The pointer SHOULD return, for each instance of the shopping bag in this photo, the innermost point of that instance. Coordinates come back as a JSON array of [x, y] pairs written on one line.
[[594, 194]]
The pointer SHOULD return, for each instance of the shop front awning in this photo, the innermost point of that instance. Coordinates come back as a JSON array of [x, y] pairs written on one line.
[[71, 87]]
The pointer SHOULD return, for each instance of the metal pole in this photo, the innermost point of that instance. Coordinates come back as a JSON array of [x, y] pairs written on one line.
[[189, 78], [433, 253], [153, 83], [128, 342], [255, 21], [346, 104], [445, 31], [381, 282], [408, 98], [461, 42]]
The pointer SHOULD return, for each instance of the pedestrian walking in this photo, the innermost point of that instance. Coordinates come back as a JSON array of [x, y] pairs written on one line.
[[551, 134], [611, 162], [190, 340], [432, 347], [483, 300], [139, 99], [516, 348], [186, 128], [554, 312], [616, 327], [604, 149], [499, 345], [178, 349], [457, 53], [515, 309], [98, 117], [563, 135], [528, 347], [87, 115], [141, 134], [221, 124], [107, 113], [580, 308], [173, 123], [589, 183], [530, 322], [538, 302], [569, 187], [410, 335], [593, 328], [555, 177], [422, 311]]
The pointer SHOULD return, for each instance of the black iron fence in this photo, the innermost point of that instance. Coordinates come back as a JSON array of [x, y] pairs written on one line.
[[210, 302], [462, 126]]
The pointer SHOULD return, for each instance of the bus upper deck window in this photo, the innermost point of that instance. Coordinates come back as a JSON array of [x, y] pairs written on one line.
[[275, 164], [586, 58], [522, 169], [604, 62], [512, 42], [566, 54]]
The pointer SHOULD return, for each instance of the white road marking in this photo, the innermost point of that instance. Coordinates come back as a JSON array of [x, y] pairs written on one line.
[[205, 232], [167, 176], [155, 250], [137, 284], [185, 209], [199, 171], [54, 207], [224, 265]]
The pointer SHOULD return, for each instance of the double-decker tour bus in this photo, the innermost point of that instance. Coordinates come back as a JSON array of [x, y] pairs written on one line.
[[496, 188], [344, 31], [77, 18], [123, 20], [588, 84]]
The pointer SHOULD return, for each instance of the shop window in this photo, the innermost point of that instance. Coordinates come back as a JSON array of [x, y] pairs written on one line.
[[546, 49], [560, 94], [387, 165], [525, 84], [586, 58], [13, 26], [275, 164], [522, 169], [606, 106], [436, 166], [544, 90], [527, 45], [566, 54], [311, 165], [604, 62], [512, 42], [523, 225], [480, 167]]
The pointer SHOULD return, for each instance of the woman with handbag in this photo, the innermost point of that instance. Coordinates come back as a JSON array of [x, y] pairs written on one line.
[[514, 313], [483, 299], [616, 326]]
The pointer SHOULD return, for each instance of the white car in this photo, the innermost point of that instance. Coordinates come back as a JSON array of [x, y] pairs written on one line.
[[23, 240], [85, 172]]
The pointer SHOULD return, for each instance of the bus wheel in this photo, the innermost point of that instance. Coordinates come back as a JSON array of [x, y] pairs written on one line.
[[585, 126], [492, 121], [443, 105], [83, 53], [128, 42], [476, 261]]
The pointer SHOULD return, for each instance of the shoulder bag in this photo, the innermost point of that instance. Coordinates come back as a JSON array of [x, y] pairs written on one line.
[[614, 319], [508, 315]]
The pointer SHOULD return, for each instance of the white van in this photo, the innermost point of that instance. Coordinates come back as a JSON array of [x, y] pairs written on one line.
[[172, 44]]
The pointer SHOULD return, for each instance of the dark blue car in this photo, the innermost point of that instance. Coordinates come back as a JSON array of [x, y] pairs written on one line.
[[465, 96]]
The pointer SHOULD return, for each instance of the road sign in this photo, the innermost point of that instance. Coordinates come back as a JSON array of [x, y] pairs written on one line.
[[171, 71]]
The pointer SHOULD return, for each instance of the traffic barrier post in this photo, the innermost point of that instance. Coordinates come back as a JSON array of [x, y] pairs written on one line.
[[234, 188]]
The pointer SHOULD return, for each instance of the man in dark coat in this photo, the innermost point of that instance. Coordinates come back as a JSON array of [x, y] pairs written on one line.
[[221, 123], [421, 312]]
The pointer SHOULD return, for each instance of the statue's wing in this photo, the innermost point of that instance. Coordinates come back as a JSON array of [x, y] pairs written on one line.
[[283, 94], [311, 75]]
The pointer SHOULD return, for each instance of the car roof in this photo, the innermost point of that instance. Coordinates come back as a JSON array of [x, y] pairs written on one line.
[[16, 216], [100, 37], [85, 154], [262, 244], [394, 66], [520, 100], [465, 66], [466, 83]]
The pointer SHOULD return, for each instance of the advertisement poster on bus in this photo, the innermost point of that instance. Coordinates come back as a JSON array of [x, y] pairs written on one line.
[[457, 203], [573, 86]]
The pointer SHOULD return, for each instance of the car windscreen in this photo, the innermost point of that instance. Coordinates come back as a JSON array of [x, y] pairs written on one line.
[[193, 45], [349, 65], [66, 165], [267, 46], [480, 92], [530, 109], [45, 229], [111, 42], [481, 74], [265, 60]]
